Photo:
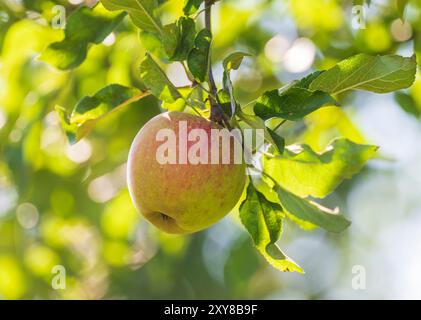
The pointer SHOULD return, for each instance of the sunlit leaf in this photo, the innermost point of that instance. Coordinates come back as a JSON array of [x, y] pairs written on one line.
[[91, 109], [234, 60], [177, 105], [152, 43], [84, 26], [263, 221], [157, 81], [327, 124], [142, 12], [311, 212], [307, 80], [379, 74], [307, 173]]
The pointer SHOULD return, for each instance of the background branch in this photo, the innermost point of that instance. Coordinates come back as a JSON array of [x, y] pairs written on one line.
[[215, 114]]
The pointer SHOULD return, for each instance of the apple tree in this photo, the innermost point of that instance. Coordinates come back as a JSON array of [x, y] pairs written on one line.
[[290, 177]]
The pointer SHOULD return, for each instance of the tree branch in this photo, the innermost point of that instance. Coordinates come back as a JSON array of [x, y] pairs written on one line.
[[208, 23], [214, 111]]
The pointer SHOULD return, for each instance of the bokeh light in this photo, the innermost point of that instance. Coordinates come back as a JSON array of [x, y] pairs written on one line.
[[300, 56], [27, 215], [401, 30], [109, 40], [79, 152], [276, 48]]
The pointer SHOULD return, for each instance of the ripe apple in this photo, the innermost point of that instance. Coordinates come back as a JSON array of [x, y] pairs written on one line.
[[181, 197]]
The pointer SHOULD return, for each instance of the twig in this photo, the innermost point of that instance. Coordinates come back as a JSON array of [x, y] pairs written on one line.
[[195, 110], [208, 24], [198, 13], [264, 174], [214, 112], [186, 70], [280, 124]]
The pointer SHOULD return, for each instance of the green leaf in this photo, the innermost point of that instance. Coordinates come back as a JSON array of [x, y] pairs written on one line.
[[91, 109], [311, 212], [307, 173], [293, 101], [292, 104], [229, 90], [170, 38], [224, 100], [178, 105], [142, 12], [178, 38], [232, 62], [279, 141], [305, 82], [263, 221], [265, 187], [198, 58], [257, 123], [152, 43], [157, 81], [407, 103], [191, 6], [84, 26], [379, 74]]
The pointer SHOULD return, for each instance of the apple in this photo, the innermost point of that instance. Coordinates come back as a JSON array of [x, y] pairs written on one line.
[[182, 196]]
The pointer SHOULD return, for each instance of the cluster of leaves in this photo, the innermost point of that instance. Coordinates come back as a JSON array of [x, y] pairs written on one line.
[[291, 176]]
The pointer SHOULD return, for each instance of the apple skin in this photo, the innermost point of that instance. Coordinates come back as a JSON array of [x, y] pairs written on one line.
[[181, 198]]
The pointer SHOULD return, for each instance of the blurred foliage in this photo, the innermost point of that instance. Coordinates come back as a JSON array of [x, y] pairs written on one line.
[[68, 205]]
